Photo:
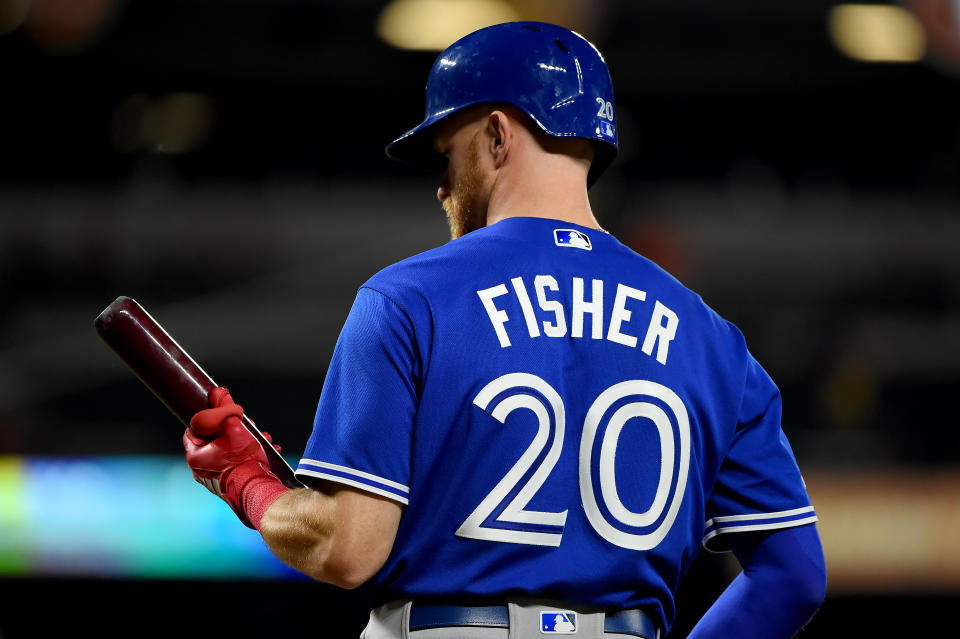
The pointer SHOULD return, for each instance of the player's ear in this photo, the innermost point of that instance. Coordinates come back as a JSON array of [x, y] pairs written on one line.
[[500, 134]]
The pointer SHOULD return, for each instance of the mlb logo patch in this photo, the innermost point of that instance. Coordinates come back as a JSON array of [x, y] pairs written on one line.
[[558, 622], [571, 237]]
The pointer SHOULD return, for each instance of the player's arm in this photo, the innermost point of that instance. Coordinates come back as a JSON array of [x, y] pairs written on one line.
[[782, 585], [333, 531], [338, 534]]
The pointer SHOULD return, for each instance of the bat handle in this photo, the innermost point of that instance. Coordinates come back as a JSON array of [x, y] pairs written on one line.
[[169, 372]]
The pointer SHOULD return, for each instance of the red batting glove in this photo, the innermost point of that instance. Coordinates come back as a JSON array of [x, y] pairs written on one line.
[[229, 461]]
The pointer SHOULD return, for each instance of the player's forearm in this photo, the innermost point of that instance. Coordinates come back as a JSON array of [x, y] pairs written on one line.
[[781, 587], [752, 609], [299, 529], [335, 534]]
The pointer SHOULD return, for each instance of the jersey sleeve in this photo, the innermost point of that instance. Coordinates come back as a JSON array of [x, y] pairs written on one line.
[[362, 431], [759, 486]]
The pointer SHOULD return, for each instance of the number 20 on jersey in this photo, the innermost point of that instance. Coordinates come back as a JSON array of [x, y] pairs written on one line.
[[503, 515]]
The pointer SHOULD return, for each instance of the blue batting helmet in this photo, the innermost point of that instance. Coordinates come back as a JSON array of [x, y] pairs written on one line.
[[552, 74]]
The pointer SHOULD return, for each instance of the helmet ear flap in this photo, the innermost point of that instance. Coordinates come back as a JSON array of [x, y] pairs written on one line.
[[553, 75]]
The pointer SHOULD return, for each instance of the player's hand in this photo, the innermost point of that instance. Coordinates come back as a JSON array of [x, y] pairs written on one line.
[[221, 452]]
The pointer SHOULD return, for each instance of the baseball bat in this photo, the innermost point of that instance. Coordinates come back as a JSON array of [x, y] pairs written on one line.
[[169, 371]]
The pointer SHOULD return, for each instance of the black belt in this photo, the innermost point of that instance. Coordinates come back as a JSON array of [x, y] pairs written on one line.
[[632, 622]]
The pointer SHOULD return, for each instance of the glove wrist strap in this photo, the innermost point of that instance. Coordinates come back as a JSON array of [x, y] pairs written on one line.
[[259, 495], [256, 489]]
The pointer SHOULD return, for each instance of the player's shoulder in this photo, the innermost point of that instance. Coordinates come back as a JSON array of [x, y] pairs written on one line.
[[658, 278], [715, 330], [411, 272], [409, 283]]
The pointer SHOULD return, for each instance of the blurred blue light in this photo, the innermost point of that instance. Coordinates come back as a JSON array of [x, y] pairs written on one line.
[[139, 517]]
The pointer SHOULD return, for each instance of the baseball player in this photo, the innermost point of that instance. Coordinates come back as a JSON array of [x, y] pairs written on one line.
[[531, 430]]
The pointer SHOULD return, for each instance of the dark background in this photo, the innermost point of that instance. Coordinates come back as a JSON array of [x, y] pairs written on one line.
[[810, 198]]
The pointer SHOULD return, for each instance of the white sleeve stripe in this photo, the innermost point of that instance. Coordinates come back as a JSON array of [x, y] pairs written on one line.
[[355, 484], [772, 526], [775, 515], [355, 473], [369, 482]]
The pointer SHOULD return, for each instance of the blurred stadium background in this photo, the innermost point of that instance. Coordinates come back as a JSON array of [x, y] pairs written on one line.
[[796, 162]]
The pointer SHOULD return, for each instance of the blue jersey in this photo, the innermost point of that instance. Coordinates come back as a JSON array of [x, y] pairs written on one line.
[[560, 417]]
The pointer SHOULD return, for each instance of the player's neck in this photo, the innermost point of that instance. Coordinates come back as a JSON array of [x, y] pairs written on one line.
[[559, 194]]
